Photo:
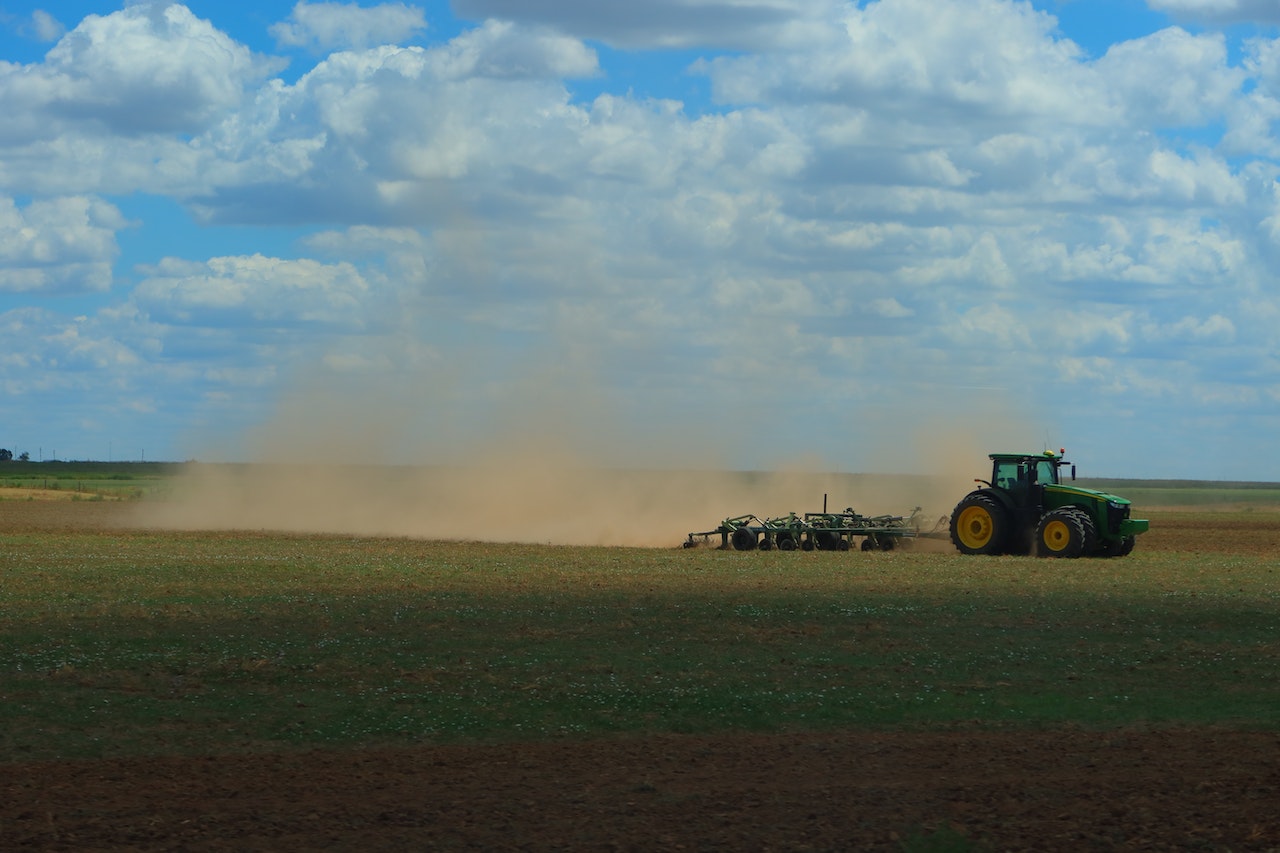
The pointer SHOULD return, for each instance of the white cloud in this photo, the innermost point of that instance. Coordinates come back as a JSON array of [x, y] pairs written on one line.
[[501, 50], [987, 57], [1214, 329], [890, 308], [253, 291], [58, 245], [44, 26], [329, 26], [1095, 330], [946, 190], [662, 23], [80, 354], [990, 326], [1221, 11], [1171, 78], [148, 68]]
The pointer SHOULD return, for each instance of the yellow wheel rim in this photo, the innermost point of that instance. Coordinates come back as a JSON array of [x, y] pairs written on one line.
[[1056, 535], [975, 527]]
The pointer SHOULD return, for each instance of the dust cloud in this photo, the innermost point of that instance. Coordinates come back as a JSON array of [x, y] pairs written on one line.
[[550, 457], [542, 498]]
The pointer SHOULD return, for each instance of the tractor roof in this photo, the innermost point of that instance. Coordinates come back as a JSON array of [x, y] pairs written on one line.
[[1046, 454]]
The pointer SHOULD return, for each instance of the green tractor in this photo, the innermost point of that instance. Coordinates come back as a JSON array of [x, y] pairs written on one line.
[[1026, 507]]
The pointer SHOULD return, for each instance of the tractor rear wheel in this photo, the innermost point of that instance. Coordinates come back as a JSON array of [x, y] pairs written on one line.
[[980, 525], [1062, 533]]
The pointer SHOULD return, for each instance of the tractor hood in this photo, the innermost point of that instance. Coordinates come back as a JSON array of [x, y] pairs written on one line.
[[1062, 489]]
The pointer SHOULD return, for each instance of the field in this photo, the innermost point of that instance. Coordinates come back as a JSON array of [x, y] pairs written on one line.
[[259, 690]]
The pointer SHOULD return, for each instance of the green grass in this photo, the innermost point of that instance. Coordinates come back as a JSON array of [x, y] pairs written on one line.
[[123, 480], [152, 643], [1186, 493]]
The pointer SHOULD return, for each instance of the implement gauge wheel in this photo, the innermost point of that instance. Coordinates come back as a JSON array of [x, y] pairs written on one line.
[[826, 540], [743, 539], [980, 525]]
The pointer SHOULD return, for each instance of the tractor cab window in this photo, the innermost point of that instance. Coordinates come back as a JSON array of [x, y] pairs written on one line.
[[1010, 475], [1046, 472]]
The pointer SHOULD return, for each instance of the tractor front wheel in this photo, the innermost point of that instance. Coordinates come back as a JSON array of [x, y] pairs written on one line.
[[1063, 533], [1118, 547], [980, 525]]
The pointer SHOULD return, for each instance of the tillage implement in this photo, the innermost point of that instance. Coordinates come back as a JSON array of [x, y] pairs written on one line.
[[823, 531]]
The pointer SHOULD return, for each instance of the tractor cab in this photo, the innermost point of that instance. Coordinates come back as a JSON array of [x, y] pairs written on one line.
[[1017, 473]]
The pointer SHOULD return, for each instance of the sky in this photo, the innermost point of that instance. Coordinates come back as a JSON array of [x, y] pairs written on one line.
[[744, 234]]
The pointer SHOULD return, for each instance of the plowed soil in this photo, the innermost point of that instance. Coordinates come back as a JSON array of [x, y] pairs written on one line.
[[1184, 790], [1072, 790]]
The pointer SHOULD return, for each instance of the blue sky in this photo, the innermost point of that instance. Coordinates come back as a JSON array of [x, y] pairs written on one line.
[[857, 236]]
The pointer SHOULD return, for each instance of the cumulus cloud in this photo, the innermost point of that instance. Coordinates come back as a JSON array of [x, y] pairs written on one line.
[[43, 26], [661, 23], [58, 245], [149, 68], [882, 197], [499, 49], [987, 58], [1172, 78], [1220, 11], [253, 291], [328, 26], [365, 134]]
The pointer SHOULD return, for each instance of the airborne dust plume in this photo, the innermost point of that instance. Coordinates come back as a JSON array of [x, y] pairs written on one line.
[[551, 463]]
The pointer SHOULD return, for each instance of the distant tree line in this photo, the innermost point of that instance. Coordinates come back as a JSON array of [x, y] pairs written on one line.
[[6, 455]]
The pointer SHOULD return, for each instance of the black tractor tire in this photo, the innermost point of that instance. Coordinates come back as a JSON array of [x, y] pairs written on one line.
[[1091, 539], [806, 544], [980, 525], [786, 542], [1062, 533], [868, 544], [1118, 547], [743, 539], [827, 540]]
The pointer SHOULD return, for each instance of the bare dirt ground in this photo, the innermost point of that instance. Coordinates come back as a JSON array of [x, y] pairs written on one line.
[[1195, 789], [1181, 790]]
